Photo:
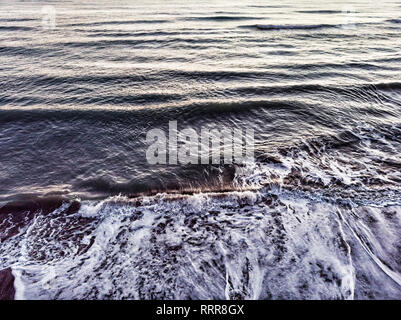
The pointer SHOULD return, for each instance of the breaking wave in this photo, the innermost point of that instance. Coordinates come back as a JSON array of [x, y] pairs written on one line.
[[310, 222]]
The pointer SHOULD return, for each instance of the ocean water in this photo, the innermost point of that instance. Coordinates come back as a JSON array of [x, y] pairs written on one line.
[[316, 215]]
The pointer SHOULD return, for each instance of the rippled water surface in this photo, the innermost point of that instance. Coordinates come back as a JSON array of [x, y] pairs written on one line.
[[316, 215]]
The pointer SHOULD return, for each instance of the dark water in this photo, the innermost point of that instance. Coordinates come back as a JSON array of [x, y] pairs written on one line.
[[317, 215]]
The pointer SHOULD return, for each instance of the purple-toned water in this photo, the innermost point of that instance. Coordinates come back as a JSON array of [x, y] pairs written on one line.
[[317, 215]]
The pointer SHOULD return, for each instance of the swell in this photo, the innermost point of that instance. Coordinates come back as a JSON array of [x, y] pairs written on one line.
[[120, 22], [15, 28], [321, 11], [55, 82], [395, 21], [209, 109], [27, 51], [17, 19], [221, 18], [166, 33], [268, 27], [139, 42], [317, 88], [80, 100], [81, 96], [307, 27]]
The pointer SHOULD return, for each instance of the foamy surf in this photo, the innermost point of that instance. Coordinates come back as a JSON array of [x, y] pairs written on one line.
[[238, 245]]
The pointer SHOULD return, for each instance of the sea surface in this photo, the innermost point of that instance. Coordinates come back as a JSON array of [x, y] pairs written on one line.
[[316, 215]]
